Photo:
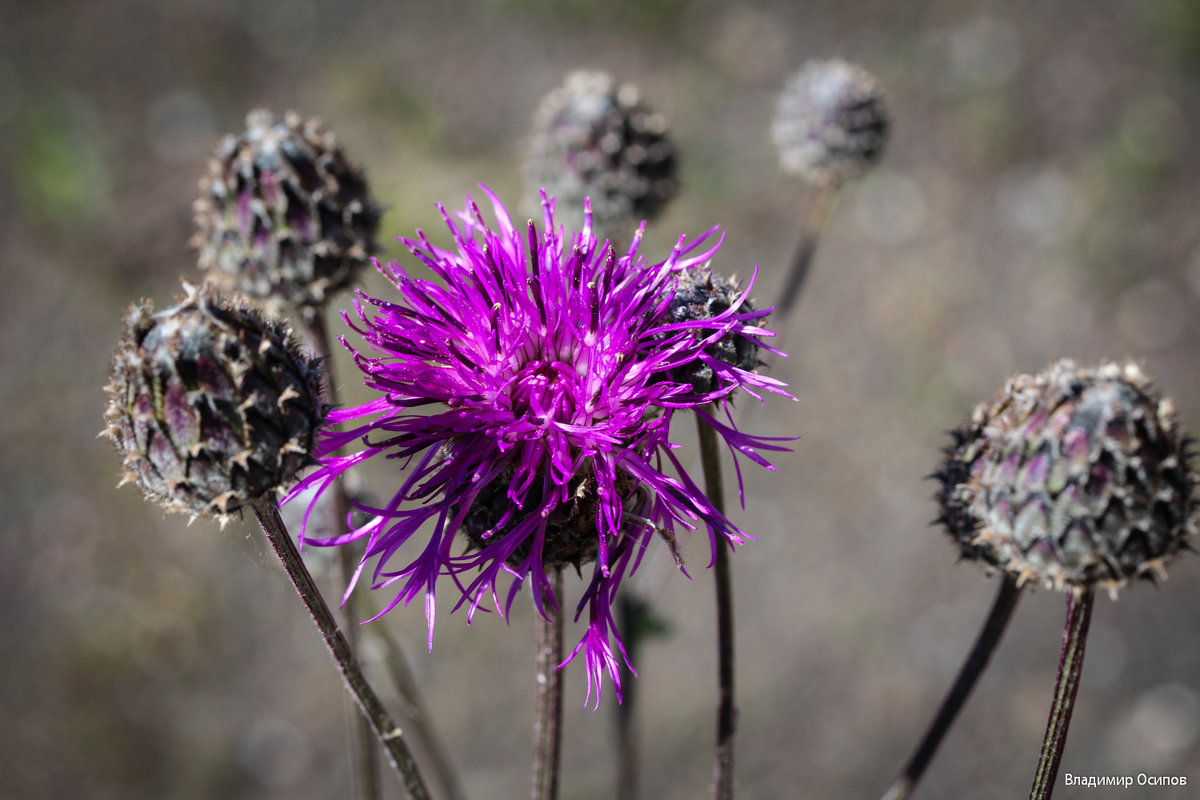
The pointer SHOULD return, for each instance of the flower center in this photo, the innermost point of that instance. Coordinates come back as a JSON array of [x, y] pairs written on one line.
[[545, 389]]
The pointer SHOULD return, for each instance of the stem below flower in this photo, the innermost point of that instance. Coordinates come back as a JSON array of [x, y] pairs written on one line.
[[710, 460], [352, 676], [968, 676], [547, 722], [1070, 667], [819, 215]]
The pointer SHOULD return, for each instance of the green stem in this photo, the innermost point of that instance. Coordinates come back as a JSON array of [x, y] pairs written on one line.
[[547, 723], [723, 772], [968, 676], [381, 723], [1070, 667]]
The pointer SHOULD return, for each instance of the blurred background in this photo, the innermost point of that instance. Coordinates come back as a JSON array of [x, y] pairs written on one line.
[[1038, 199]]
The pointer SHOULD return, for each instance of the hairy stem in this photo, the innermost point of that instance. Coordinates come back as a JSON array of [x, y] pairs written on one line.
[[1070, 667], [547, 722], [819, 214], [710, 460], [968, 676], [381, 723]]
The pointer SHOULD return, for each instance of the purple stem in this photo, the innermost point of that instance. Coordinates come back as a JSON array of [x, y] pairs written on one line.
[[1070, 667]]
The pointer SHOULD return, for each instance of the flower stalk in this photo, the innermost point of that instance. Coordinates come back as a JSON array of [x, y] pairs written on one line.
[[386, 731], [819, 215], [547, 723], [977, 661], [723, 769], [1070, 667]]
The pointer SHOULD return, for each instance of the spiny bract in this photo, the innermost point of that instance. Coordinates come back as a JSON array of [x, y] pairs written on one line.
[[284, 217], [702, 294], [1072, 478], [212, 406], [594, 139]]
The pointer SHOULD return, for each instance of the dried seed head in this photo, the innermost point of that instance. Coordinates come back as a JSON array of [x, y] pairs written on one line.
[[1072, 478], [593, 139], [831, 123], [211, 406], [283, 216], [703, 295]]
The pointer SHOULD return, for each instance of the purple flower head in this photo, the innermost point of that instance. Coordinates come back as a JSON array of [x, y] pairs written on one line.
[[530, 392]]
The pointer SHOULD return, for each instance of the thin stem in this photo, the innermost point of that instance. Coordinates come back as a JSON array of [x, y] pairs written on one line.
[[547, 722], [352, 676], [335, 509], [819, 214], [710, 460], [968, 676], [1070, 667]]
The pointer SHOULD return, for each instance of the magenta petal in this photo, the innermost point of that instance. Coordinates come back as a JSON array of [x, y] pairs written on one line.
[[534, 372]]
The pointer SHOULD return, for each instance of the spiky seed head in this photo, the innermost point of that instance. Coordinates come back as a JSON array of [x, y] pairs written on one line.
[[702, 294], [212, 406], [831, 122], [284, 217], [594, 139], [1072, 478]]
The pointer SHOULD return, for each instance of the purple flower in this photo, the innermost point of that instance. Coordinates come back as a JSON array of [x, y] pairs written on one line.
[[530, 394]]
